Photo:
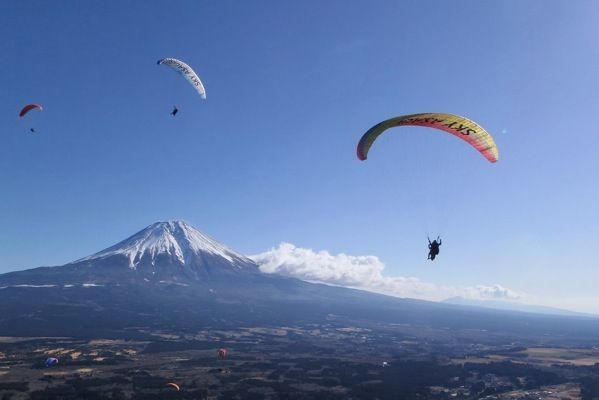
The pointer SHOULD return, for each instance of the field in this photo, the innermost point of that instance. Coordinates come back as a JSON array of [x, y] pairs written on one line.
[[330, 361]]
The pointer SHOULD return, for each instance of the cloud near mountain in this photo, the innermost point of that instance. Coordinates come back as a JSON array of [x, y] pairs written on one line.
[[367, 273]]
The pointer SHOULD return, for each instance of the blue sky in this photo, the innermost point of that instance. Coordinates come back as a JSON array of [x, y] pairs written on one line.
[[269, 157]]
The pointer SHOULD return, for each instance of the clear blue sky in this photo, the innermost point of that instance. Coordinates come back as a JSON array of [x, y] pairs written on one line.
[[270, 155]]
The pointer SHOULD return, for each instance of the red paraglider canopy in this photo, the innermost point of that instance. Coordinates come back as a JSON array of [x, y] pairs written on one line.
[[30, 107]]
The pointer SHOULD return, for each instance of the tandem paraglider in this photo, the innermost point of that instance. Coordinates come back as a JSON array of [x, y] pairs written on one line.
[[461, 127], [433, 248], [188, 73]]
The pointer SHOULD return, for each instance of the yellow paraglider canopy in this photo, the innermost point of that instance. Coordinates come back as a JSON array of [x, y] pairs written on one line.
[[461, 127]]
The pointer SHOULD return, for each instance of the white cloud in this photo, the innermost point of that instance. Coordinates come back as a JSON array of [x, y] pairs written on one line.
[[493, 292], [365, 272]]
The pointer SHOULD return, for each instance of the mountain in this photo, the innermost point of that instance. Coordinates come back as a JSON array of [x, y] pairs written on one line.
[[514, 306], [164, 252], [168, 274], [170, 243], [171, 277], [172, 251]]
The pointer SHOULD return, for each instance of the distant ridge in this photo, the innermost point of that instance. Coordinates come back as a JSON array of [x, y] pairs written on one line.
[[513, 306]]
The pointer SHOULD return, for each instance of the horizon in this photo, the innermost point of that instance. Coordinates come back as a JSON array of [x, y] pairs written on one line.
[[267, 163], [270, 264]]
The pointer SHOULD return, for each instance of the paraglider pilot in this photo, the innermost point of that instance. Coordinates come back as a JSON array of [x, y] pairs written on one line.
[[175, 111], [433, 248]]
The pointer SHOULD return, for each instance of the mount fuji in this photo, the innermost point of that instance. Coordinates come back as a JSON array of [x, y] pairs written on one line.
[[173, 242], [172, 277], [164, 252], [171, 251], [168, 274]]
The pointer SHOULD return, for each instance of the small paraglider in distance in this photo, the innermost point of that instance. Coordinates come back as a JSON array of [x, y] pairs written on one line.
[[433, 248], [30, 107], [187, 72], [221, 353], [385, 364], [173, 385], [51, 362], [175, 111]]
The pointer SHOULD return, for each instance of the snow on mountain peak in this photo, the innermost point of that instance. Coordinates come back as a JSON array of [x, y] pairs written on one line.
[[177, 239]]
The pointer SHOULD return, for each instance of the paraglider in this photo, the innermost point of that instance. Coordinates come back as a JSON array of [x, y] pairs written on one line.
[[461, 127], [175, 111], [51, 361], [433, 248], [30, 107], [221, 354], [187, 73], [174, 385]]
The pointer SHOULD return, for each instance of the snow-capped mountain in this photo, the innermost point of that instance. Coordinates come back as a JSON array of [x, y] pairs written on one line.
[[177, 240], [171, 251], [164, 252]]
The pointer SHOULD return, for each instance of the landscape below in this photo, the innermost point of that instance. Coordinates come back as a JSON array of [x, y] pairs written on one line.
[[155, 308]]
